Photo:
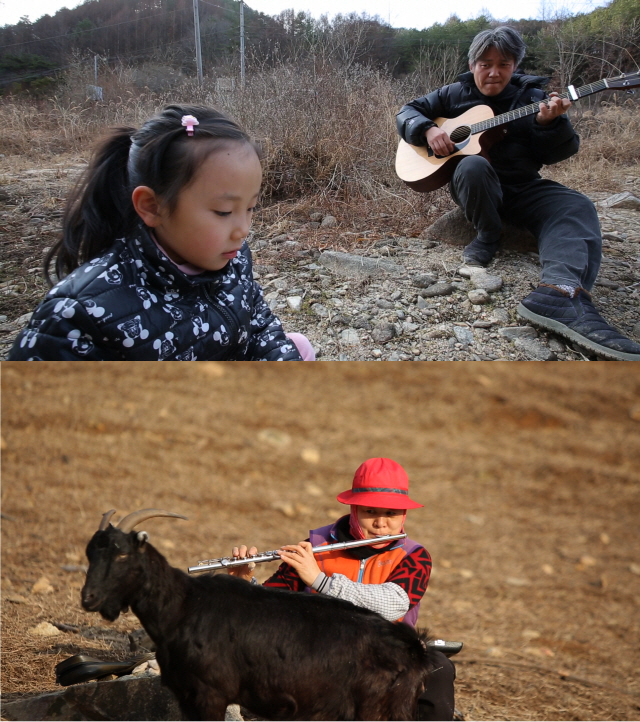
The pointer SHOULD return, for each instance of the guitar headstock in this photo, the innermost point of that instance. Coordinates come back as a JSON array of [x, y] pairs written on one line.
[[625, 81]]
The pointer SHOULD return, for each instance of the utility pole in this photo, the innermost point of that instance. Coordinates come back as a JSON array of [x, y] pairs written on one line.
[[242, 43], [196, 23]]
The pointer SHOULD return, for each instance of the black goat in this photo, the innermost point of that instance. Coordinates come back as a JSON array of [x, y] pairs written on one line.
[[283, 655]]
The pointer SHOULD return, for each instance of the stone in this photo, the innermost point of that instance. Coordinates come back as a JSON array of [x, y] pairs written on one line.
[[534, 349], [454, 229], [350, 337], [44, 629], [513, 332], [499, 315], [623, 200], [329, 222], [383, 332], [348, 264], [479, 296], [127, 698], [486, 281], [294, 303], [320, 310], [23, 320], [438, 289], [424, 281], [463, 335]]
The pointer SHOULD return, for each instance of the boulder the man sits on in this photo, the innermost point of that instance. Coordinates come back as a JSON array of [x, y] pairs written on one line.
[[508, 186]]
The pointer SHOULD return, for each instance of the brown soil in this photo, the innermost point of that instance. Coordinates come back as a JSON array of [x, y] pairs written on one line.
[[530, 481]]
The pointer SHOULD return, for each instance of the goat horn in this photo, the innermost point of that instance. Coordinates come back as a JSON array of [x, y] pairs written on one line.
[[129, 521], [105, 520]]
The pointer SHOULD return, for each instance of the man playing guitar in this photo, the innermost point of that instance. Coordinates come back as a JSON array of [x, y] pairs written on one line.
[[504, 183]]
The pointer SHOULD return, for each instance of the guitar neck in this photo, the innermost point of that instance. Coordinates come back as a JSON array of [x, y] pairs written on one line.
[[503, 118]]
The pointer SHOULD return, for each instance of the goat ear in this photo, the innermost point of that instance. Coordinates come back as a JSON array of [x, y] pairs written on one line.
[[142, 537]]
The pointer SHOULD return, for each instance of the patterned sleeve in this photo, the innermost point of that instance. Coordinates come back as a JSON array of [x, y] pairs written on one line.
[[285, 578], [268, 340], [60, 330], [412, 574]]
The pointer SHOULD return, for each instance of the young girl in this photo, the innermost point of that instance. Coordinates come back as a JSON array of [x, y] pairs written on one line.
[[153, 259], [389, 578]]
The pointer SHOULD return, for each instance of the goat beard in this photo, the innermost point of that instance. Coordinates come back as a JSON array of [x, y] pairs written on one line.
[[111, 612]]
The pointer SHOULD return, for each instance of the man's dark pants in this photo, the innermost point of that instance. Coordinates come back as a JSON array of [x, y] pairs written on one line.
[[437, 701], [564, 221]]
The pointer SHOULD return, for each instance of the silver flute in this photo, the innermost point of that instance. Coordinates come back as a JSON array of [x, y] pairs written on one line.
[[208, 565]]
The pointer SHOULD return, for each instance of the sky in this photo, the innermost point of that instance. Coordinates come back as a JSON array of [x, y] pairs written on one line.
[[407, 13]]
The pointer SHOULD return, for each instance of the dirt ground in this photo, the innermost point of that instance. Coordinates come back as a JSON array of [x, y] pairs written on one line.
[[530, 476]]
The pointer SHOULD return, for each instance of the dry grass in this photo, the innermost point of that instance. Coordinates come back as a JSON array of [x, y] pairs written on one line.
[[329, 137]]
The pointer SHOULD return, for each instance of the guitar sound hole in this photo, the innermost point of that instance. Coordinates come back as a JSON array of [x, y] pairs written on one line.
[[460, 134]]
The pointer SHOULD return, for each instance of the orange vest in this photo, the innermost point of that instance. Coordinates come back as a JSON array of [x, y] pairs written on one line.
[[374, 570]]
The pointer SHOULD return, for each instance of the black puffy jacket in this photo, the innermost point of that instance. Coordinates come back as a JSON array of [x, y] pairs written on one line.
[[525, 148], [133, 303]]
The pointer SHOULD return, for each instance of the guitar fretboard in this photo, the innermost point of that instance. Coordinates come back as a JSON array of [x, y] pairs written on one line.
[[535, 107]]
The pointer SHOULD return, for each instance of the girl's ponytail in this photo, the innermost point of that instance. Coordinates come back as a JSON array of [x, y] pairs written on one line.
[[99, 209]]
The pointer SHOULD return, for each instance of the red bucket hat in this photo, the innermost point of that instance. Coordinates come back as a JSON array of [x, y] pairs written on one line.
[[381, 483]]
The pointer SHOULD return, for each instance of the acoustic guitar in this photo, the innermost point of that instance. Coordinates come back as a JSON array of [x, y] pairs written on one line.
[[475, 131]]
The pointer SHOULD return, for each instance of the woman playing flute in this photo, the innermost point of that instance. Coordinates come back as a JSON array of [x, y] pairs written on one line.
[[389, 578]]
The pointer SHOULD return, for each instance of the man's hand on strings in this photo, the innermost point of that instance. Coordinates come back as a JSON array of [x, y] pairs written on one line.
[[439, 141], [552, 108]]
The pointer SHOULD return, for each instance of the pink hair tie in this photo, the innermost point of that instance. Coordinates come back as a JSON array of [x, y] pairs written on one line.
[[189, 121]]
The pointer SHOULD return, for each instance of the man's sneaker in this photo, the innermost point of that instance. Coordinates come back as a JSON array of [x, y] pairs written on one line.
[[575, 317], [479, 253]]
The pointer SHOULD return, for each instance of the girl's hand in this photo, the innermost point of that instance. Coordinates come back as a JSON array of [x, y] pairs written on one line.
[[243, 571], [301, 558]]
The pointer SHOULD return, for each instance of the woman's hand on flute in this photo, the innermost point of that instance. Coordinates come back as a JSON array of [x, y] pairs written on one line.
[[300, 557], [243, 571]]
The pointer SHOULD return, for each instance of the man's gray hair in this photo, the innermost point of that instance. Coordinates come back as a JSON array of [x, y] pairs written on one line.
[[507, 41]]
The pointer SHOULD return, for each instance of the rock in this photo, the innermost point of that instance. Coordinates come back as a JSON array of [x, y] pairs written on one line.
[[128, 698], [606, 283], [463, 334], [328, 222], [381, 303], [514, 332], [348, 264], [534, 349], [438, 289], [424, 281], [454, 229], [486, 281], [320, 310], [23, 320], [499, 315], [556, 345], [42, 586], [294, 303], [383, 332], [479, 296], [349, 337], [616, 237], [623, 200], [44, 629]]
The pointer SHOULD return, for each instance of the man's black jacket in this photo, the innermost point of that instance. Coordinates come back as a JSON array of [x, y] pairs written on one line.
[[525, 148]]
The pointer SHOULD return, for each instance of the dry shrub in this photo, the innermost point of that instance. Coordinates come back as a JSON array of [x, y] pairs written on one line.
[[327, 134], [609, 143]]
